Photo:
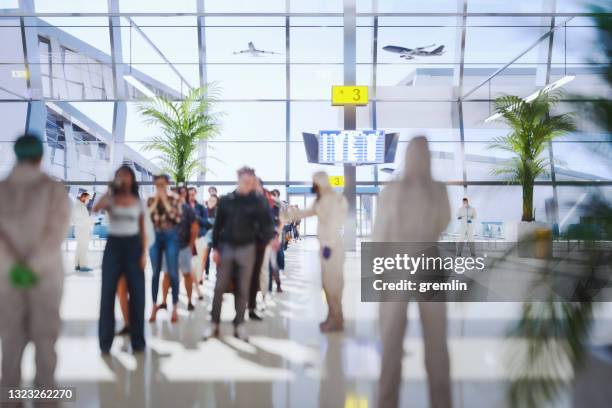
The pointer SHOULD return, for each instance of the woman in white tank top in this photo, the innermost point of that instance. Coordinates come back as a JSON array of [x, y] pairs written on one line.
[[124, 259]]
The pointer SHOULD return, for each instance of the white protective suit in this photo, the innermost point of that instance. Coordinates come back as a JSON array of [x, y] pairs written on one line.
[[413, 209], [467, 222], [82, 232], [331, 209], [34, 215]]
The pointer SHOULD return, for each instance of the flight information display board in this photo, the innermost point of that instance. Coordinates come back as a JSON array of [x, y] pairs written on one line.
[[351, 146]]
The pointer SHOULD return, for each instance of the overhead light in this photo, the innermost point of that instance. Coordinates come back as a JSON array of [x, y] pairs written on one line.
[[493, 117], [548, 88], [139, 85]]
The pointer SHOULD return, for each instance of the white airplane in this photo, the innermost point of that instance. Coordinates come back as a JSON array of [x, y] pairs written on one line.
[[254, 52], [410, 53]]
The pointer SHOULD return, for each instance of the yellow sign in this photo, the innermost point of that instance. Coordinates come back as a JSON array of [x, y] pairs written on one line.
[[19, 73], [349, 95], [336, 181]]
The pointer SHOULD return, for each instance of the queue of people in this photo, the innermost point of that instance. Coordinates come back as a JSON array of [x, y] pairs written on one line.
[[244, 233]]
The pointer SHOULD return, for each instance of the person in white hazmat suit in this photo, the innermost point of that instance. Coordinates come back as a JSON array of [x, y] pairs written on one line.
[[331, 208], [82, 232], [34, 220], [414, 208], [467, 220]]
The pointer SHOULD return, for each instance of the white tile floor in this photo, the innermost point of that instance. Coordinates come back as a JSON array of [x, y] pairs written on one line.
[[287, 363]]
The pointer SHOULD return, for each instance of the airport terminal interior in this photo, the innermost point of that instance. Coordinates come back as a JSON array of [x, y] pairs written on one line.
[[508, 102]]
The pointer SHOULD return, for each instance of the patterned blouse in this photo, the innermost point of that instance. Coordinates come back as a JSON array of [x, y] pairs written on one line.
[[163, 219]]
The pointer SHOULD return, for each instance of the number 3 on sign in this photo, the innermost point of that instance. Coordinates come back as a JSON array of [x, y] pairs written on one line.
[[349, 95], [336, 181]]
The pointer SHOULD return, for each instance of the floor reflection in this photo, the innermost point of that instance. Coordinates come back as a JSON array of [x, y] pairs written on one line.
[[287, 363]]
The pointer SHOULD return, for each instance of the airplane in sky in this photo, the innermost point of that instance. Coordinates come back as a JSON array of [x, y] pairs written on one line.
[[410, 53], [254, 52]]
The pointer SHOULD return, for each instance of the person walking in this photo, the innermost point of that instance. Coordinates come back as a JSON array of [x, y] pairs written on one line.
[[34, 221], [82, 232], [124, 256], [242, 218], [165, 211], [413, 209]]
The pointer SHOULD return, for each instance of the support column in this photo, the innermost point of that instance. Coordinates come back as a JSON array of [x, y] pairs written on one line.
[[551, 6], [350, 74], [120, 105], [36, 117], [457, 109], [203, 146], [287, 100], [374, 81], [37, 112]]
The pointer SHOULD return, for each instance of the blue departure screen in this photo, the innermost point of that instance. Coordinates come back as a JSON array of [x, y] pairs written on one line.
[[352, 146]]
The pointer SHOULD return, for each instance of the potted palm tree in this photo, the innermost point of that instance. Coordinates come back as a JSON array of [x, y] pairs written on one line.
[[184, 125], [532, 128]]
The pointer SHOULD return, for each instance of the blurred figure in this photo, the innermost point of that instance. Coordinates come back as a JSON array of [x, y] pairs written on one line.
[[201, 214], [242, 218], [413, 209], [34, 220], [330, 208], [187, 232], [165, 211], [211, 208], [261, 245], [125, 258], [82, 232], [212, 191], [466, 216]]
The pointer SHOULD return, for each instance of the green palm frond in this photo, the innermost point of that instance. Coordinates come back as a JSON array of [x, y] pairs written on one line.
[[532, 128], [184, 125]]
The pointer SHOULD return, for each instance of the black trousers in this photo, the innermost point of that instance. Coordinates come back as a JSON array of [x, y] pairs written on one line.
[[260, 249], [122, 256]]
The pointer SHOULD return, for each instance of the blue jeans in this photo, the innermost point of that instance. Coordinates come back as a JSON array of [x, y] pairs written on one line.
[[122, 256], [166, 241]]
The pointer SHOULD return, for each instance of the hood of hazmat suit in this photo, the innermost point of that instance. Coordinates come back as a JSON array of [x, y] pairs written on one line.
[[414, 208], [330, 208]]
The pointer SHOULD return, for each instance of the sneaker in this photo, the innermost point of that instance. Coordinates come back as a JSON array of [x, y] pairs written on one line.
[[190, 307], [240, 333], [85, 269], [124, 332], [254, 316], [211, 331], [77, 268]]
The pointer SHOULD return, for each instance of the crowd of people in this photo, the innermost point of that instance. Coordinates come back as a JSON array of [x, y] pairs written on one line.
[[240, 231], [243, 233]]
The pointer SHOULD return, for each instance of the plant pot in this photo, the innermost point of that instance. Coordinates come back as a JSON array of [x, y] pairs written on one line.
[[534, 240]]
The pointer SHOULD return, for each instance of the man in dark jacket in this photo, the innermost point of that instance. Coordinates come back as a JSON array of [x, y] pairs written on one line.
[[242, 219]]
